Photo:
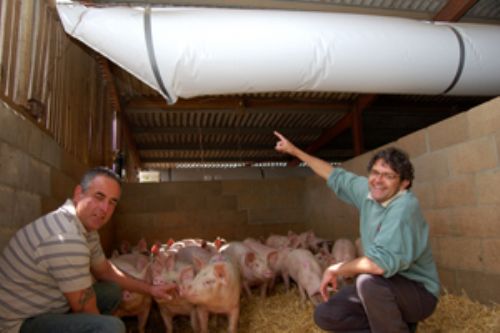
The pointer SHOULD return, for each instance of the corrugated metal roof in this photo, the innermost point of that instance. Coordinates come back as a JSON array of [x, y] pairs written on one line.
[[239, 128]]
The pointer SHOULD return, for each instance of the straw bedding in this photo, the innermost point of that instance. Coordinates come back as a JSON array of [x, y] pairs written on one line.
[[283, 312]]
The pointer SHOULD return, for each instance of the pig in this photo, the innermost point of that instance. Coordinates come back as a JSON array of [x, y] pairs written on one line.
[[316, 244], [133, 303], [324, 258], [167, 269], [359, 247], [279, 241], [253, 268], [303, 268], [299, 241], [343, 251], [212, 247], [140, 248], [291, 240], [215, 289], [215, 246], [274, 258], [194, 255]]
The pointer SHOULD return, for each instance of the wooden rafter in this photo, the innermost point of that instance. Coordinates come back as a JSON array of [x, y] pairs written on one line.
[[454, 10], [115, 102]]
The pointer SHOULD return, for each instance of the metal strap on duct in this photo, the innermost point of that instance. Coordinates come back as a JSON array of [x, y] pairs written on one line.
[[151, 53]]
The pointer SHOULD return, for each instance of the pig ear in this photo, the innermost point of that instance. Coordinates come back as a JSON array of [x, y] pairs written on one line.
[[198, 263], [187, 273], [141, 263], [142, 245], [220, 272], [169, 261], [218, 243], [294, 239], [272, 257], [125, 247], [249, 258]]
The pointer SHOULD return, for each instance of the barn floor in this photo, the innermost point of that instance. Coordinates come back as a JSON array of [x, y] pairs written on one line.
[[283, 312]]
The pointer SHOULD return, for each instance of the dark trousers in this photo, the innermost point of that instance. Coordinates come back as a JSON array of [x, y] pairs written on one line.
[[376, 304]]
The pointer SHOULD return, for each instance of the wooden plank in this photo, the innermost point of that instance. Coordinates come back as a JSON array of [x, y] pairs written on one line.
[[40, 41], [9, 57], [234, 103], [454, 10], [5, 37], [47, 65], [24, 53], [14, 59]]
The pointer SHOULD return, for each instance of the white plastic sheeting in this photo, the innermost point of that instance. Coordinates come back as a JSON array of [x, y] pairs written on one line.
[[187, 52]]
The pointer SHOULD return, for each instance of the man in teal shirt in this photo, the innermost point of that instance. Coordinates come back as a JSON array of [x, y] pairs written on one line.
[[397, 283]]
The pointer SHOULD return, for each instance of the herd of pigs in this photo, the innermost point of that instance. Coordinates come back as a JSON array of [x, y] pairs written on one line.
[[210, 276]]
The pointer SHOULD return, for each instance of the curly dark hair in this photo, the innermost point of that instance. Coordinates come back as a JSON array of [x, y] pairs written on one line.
[[398, 160]]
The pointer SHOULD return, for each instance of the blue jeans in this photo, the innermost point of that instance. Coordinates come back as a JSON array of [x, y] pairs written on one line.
[[108, 298]]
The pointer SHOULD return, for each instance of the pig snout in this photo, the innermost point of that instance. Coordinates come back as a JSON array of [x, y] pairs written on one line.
[[157, 281], [316, 299]]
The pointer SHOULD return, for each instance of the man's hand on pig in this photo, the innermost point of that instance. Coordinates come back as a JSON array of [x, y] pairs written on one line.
[[329, 277], [164, 290]]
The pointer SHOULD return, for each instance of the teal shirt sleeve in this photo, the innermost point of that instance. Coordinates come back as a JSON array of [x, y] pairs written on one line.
[[348, 187]]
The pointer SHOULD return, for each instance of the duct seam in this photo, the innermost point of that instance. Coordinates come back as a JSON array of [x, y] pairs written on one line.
[[461, 61], [151, 54]]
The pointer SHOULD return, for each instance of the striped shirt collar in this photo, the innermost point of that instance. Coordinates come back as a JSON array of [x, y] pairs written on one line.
[[69, 207]]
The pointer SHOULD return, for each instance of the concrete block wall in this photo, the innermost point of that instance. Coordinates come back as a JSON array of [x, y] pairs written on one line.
[[457, 180], [233, 209], [36, 174]]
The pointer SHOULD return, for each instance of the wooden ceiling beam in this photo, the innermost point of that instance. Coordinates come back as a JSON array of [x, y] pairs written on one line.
[[363, 102], [233, 158], [233, 103], [350, 120], [115, 102], [239, 112], [261, 131], [327, 136], [148, 148], [454, 10]]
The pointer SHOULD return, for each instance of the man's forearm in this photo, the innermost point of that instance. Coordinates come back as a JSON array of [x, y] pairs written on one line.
[[320, 167], [108, 272], [82, 301], [360, 265]]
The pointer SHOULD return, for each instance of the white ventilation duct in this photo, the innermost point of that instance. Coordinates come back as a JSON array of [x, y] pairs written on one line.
[[187, 52]]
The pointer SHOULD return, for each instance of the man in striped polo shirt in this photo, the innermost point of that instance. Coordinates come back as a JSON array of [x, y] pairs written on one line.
[[47, 268]]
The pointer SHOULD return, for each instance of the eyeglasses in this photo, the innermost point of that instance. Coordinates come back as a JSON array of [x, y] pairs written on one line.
[[384, 175]]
